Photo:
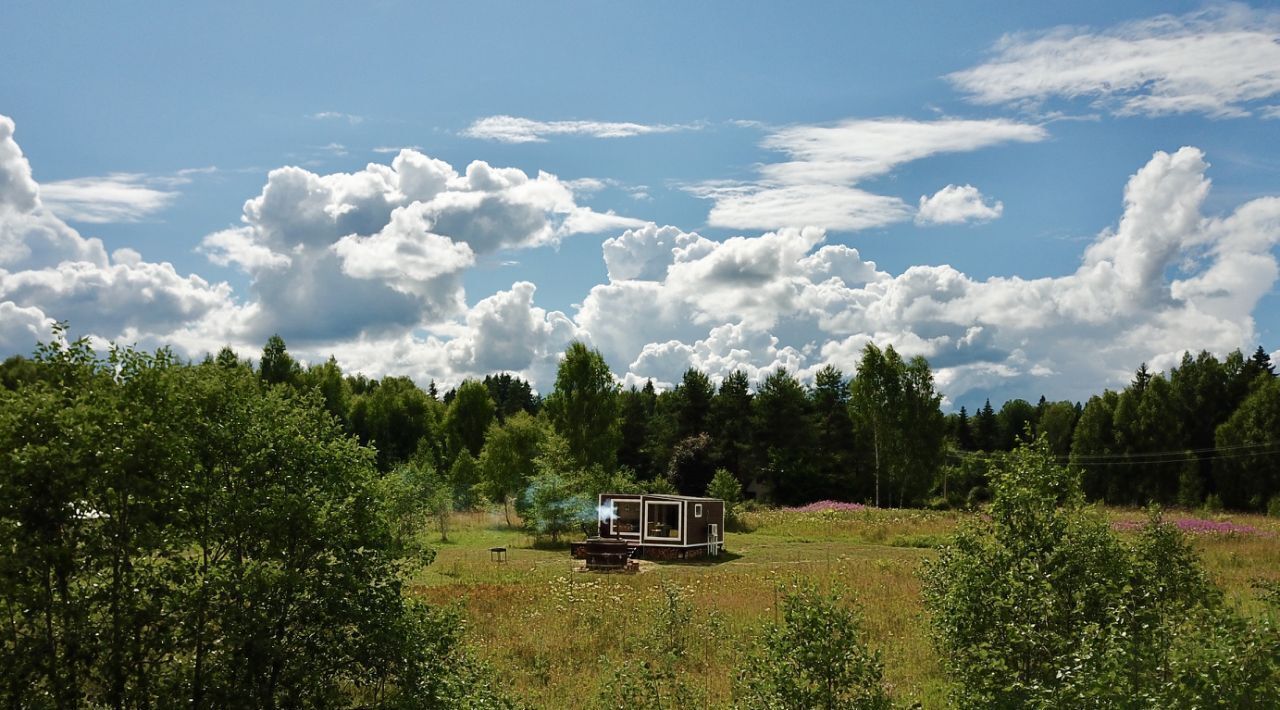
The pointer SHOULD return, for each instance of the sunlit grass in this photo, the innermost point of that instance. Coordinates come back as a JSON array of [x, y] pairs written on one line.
[[554, 634]]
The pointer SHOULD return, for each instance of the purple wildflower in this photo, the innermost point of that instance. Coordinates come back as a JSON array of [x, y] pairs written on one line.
[[821, 505]]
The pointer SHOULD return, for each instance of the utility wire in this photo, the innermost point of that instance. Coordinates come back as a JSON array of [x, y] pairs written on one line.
[[1158, 457]]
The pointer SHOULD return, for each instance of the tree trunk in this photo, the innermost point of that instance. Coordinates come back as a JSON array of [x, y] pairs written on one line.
[[875, 434]]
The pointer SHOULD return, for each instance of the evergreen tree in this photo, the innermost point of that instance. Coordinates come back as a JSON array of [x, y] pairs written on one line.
[[583, 407], [692, 404], [783, 437], [731, 426], [835, 456], [633, 432], [986, 428], [1261, 362], [962, 431], [277, 365], [510, 395], [1141, 378]]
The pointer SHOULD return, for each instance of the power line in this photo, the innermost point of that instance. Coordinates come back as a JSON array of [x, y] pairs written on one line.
[[1158, 457]]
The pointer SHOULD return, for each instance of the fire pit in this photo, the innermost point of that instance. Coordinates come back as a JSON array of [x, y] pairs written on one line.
[[605, 554]]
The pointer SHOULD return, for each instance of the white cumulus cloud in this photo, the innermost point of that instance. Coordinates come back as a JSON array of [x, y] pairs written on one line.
[[1166, 278], [957, 204], [49, 271]]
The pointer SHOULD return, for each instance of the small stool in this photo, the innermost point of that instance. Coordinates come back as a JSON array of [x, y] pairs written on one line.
[[498, 554]]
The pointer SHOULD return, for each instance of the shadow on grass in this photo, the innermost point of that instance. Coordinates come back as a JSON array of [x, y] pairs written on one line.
[[723, 557]]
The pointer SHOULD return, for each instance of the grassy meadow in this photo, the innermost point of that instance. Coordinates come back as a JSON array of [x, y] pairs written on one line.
[[554, 634]]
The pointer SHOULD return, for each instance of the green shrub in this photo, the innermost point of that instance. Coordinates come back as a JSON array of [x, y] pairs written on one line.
[[725, 486], [815, 659], [1042, 606]]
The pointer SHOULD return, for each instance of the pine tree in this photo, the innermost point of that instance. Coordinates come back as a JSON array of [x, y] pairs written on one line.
[[731, 426], [986, 428], [964, 432], [1261, 362], [1141, 378]]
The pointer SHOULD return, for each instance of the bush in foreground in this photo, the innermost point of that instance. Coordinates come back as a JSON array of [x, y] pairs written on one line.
[[1044, 606], [188, 535], [815, 659]]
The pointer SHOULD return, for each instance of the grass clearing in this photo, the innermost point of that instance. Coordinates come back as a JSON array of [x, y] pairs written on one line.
[[554, 634]]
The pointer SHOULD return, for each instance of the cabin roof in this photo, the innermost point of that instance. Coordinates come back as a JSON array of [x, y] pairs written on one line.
[[661, 496]]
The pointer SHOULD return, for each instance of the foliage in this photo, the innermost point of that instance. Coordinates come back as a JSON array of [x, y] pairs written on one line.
[[467, 419], [783, 447], [836, 452], [556, 501], [466, 490], [327, 379], [897, 410], [635, 410], [1014, 419], [692, 465], [656, 681], [731, 422], [1043, 606], [511, 395], [277, 365], [583, 407], [1251, 431], [815, 659], [17, 371], [725, 487], [403, 494], [180, 534], [397, 419], [507, 462]]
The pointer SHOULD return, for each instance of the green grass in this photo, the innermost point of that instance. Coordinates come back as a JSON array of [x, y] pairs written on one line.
[[553, 634]]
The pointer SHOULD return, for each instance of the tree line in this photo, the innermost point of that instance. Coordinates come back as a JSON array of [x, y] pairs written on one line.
[[1207, 432]]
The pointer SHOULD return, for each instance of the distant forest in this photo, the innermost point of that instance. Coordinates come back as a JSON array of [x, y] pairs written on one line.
[[1205, 433]]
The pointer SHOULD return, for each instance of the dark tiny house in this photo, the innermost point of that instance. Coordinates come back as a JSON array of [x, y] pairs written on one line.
[[656, 526]]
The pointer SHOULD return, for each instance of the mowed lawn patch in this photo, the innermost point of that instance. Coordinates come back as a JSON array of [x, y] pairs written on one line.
[[554, 634]]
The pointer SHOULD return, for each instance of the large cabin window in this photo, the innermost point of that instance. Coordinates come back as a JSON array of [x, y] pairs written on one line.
[[663, 520], [626, 517]]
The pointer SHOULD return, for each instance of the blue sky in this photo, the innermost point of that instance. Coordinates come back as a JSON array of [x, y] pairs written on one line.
[[1001, 187]]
